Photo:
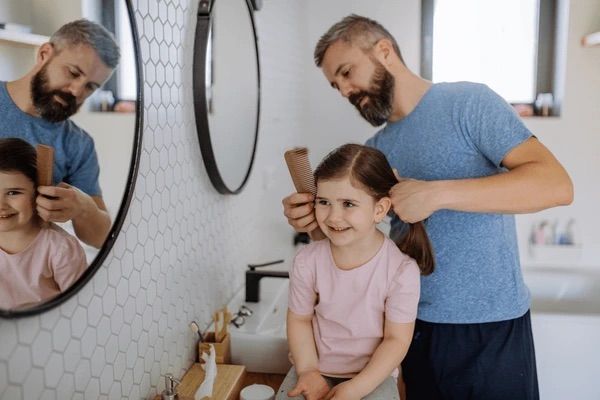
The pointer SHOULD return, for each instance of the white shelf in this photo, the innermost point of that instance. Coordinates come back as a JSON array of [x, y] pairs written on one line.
[[552, 254], [22, 38], [593, 39], [571, 257]]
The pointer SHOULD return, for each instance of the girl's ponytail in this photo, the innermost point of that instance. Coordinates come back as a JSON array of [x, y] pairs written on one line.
[[415, 243]]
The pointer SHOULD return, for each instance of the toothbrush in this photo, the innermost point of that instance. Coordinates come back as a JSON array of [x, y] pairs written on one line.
[[196, 329]]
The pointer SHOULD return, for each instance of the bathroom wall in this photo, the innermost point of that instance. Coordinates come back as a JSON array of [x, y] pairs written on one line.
[[183, 247]]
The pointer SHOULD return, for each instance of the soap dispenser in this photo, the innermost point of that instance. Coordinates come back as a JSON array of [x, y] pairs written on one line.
[[170, 385]]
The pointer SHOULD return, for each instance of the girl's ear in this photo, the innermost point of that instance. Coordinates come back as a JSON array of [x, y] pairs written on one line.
[[382, 207]]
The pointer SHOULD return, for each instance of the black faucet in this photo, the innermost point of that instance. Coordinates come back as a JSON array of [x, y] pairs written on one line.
[[253, 278]]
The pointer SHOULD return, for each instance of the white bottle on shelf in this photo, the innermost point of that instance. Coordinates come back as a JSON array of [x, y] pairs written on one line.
[[570, 233]]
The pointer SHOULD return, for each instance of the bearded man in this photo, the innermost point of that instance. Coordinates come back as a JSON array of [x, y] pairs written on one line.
[[77, 60], [467, 163]]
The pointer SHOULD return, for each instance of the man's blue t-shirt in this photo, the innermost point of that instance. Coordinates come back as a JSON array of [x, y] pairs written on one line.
[[75, 160], [457, 131]]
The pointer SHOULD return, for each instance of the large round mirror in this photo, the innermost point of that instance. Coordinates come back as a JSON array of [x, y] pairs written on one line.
[[69, 79], [226, 90]]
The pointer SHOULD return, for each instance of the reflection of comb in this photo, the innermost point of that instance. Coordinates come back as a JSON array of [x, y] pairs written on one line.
[[299, 166], [45, 161]]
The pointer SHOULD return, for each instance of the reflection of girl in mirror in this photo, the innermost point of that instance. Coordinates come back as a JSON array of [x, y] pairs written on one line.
[[37, 260], [353, 296]]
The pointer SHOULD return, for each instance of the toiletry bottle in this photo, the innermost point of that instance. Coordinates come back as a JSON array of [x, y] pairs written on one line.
[[540, 234], [170, 385], [570, 233], [548, 232]]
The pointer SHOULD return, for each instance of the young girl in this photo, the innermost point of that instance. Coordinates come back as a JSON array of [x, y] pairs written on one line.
[[37, 260], [353, 296]]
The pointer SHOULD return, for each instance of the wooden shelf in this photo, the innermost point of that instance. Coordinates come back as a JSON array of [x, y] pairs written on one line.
[[227, 385], [22, 38], [593, 39]]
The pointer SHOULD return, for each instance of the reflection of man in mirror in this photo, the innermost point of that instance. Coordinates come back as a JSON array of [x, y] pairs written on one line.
[[79, 58]]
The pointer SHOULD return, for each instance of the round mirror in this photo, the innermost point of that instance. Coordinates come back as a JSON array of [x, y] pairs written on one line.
[[69, 79], [226, 91]]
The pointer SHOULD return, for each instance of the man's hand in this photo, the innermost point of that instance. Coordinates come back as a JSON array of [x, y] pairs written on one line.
[[299, 208], [311, 385], [62, 203], [300, 211], [343, 391], [413, 200], [67, 203]]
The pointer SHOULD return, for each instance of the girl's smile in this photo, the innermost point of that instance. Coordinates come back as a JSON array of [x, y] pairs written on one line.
[[347, 215], [7, 215]]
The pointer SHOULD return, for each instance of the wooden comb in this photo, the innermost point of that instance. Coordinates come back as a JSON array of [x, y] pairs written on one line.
[[45, 162], [299, 166]]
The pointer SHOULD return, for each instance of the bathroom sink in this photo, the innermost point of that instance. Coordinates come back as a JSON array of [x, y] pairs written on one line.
[[569, 290], [260, 341]]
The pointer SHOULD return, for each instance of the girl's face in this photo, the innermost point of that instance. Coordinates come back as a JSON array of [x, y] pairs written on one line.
[[346, 214], [17, 201]]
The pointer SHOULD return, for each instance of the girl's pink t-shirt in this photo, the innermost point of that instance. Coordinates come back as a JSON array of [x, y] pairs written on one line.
[[349, 307], [48, 266]]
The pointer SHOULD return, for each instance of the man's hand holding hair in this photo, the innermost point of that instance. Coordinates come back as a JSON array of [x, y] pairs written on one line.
[[413, 200]]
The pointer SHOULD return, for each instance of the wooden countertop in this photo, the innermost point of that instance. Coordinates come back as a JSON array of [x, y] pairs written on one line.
[[227, 386]]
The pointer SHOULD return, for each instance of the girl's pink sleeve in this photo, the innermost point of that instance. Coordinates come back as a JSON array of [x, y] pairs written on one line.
[[403, 295], [69, 262], [302, 295]]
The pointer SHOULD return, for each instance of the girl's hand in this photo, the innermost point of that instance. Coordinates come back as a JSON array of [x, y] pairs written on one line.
[[343, 391], [311, 385]]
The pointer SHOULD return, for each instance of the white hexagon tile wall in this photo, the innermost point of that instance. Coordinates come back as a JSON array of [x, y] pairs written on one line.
[[183, 247]]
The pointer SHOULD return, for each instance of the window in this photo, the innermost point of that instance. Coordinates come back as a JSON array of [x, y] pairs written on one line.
[[115, 18], [508, 45], [127, 87]]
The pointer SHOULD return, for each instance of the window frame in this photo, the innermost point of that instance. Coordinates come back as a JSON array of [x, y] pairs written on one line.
[[546, 61]]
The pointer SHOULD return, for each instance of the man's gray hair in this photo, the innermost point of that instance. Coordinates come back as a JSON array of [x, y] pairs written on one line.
[[83, 31], [356, 30]]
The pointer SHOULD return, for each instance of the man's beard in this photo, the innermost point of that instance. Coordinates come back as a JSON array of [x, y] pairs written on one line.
[[44, 102], [378, 108]]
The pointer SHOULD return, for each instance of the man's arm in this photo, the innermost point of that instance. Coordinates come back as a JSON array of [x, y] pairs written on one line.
[[87, 213], [535, 180], [93, 224], [388, 356]]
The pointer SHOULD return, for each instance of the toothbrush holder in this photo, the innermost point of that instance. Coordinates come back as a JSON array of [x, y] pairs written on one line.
[[222, 348]]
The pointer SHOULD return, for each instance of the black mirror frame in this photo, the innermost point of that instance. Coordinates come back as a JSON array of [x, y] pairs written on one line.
[[201, 38], [127, 195]]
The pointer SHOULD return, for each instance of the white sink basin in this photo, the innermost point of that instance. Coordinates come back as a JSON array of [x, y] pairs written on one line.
[[260, 343], [564, 290]]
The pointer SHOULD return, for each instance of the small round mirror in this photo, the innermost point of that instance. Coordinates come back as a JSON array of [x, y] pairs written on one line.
[[226, 91]]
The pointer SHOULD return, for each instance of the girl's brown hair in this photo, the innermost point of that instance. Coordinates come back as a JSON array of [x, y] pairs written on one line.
[[16, 155], [368, 168]]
